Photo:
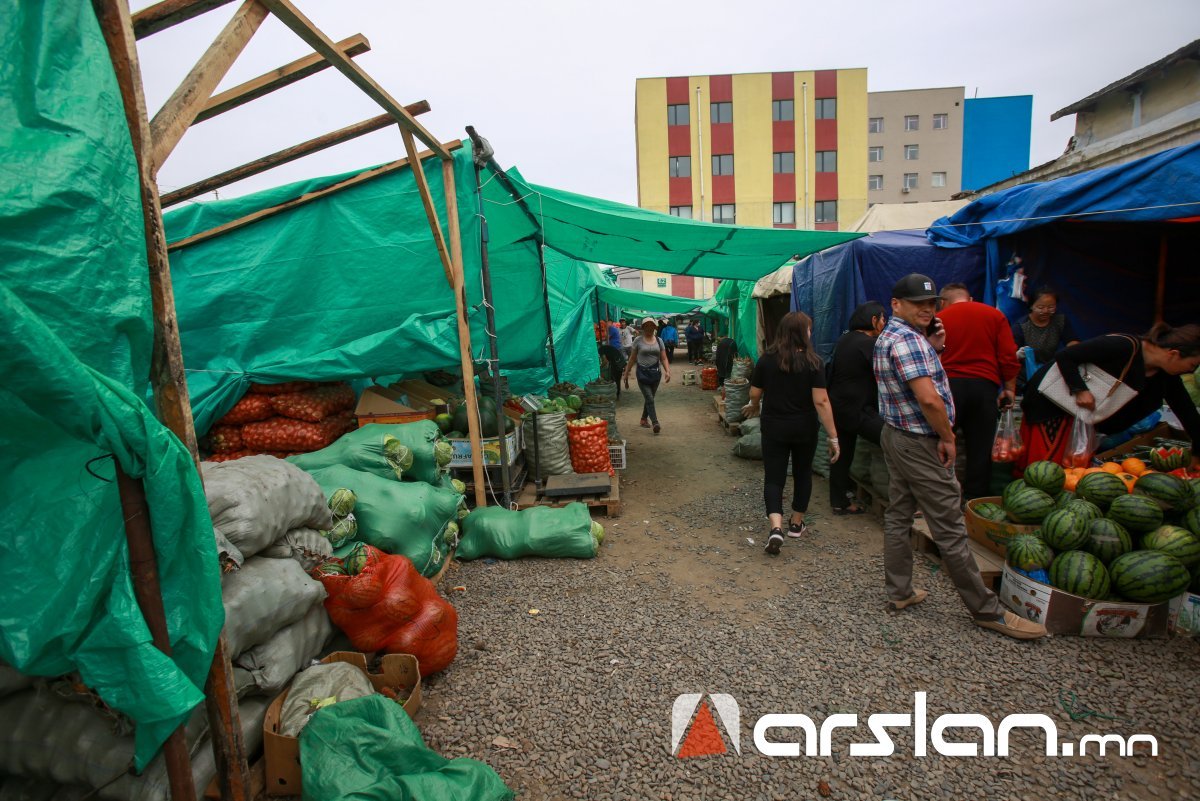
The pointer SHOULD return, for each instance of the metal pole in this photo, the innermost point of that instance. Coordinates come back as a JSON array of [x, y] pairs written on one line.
[[493, 340]]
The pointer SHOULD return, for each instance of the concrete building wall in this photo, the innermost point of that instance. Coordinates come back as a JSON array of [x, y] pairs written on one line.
[[1124, 109], [938, 150], [996, 136]]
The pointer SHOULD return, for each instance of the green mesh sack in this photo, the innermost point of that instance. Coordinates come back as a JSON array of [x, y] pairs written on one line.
[[408, 518], [406, 451], [566, 532]]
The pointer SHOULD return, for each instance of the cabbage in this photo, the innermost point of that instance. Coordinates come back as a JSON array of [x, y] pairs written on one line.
[[341, 502], [443, 453], [459, 486], [398, 455], [343, 530]]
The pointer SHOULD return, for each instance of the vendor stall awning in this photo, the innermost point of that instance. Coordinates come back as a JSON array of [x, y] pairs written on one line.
[[637, 302]]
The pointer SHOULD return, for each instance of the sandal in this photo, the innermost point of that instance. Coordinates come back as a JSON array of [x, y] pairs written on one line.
[[849, 510], [645, 423]]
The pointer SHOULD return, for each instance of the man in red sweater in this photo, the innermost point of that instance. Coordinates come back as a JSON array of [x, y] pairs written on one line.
[[980, 358]]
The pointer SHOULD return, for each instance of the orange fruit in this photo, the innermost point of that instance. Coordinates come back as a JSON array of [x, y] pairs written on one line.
[[1111, 467], [1090, 470], [1134, 466], [1071, 482], [1129, 480]]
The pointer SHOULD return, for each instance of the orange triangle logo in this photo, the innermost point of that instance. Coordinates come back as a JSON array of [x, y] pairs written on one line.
[[704, 738]]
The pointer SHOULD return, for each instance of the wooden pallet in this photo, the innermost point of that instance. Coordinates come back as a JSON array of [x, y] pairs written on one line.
[[607, 506], [991, 566], [730, 428]]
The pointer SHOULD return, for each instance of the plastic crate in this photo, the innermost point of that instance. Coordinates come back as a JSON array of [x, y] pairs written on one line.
[[616, 454]]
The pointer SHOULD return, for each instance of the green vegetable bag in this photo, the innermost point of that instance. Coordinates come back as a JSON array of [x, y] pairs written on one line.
[[567, 532], [406, 451], [408, 518]]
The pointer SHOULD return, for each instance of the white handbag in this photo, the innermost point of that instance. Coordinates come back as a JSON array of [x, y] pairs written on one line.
[[1110, 393]]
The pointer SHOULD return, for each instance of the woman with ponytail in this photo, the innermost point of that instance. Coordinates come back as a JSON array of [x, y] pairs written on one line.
[[1152, 364]]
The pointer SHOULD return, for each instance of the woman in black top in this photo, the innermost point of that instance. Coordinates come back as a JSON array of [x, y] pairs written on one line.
[[1159, 358], [792, 378], [854, 399], [1043, 331]]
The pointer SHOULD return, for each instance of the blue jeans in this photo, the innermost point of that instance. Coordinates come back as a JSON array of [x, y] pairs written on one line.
[[648, 389]]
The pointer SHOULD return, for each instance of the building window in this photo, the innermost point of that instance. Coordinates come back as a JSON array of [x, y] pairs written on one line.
[[826, 211], [826, 161], [826, 108], [724, 213], [912, 152], [912, 122], [783, 110], [722, 165], [783, 213], [941, 122], [721, 112], [875, 125], [680, 166], [682, 211], [875, 153], [874, 182], [910, 180], [677, 114], [938, 180], [785, 163]]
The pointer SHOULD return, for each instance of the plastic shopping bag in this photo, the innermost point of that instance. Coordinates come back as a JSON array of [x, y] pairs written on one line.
[[1081, 445], [1007, 447]]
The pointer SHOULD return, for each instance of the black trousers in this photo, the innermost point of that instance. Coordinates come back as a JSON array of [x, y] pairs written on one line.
[[976, 415], [778, 447], [849, 430], [694, 348]]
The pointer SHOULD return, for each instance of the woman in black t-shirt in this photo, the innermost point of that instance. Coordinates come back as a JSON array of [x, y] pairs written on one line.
[[854, 397], [789, 381]]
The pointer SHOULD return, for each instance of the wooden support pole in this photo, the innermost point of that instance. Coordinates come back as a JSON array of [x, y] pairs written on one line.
[[168, 13], [284, 156], [262, 214], [304, 28], [170, 387], [1160, 295], [177, 114], [458, 285], [435, 225], [278, 78]]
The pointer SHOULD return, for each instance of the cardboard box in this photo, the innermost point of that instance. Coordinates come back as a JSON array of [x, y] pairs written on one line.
[[991, 534], [1184, 618], [387, 405], [282, 754], [1117, 454], [513, 444], [1063, 613]]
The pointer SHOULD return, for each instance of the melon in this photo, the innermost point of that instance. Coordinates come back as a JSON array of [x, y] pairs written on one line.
[[1030, 506], [1011, 490], [990, 511], [1136, 512], [1080, 573], [1107, 539], [1049, 477], [1085, 509], [1101, 488], [356, 560], [1178, 542], [1149, 576], [1063, 530], [1027, 552], [1064, 499], [1191, 521], [1170, 491]]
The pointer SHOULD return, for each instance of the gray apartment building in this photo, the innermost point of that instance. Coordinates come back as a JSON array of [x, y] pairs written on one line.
[[914, 145]]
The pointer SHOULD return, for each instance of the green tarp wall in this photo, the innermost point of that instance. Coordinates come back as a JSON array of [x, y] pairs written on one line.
[[75, 319], [735, 297]]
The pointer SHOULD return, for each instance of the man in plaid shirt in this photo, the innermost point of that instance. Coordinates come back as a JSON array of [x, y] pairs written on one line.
[[918, 446]]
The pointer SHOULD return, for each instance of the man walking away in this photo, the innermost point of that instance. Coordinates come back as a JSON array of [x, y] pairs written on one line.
[[918, 444], [670, 338], [614, 334], [695, 342], [981, 361], [626, 338]]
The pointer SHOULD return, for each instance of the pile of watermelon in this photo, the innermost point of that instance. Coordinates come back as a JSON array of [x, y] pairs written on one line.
[[1106, 541]]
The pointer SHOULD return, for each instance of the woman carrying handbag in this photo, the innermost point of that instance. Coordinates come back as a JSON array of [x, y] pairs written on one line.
[[1114, 382], [650, 358]]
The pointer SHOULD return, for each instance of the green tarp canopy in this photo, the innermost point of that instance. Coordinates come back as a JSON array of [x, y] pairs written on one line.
[[634, 301], [737, 298], [77, 327]]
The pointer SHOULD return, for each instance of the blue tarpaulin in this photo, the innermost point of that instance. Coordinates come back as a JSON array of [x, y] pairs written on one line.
[[827, 286]]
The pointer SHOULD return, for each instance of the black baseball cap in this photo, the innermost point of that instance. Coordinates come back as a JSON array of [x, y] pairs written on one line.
[[915, 287]]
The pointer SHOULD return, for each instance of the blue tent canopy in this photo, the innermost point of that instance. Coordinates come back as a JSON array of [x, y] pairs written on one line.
[[827, 286]]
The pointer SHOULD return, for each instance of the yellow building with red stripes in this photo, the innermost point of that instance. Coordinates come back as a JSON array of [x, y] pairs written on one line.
[[782, 149]]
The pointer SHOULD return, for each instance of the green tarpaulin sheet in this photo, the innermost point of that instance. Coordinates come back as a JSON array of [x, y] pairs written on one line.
[[75, 319], [637, 302], [737, 298]]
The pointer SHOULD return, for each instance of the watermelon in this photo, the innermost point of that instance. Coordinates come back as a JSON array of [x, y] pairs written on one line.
[[1192, 521], [1028, 552], [342, 501], [1107, 539], [574, 403], [1100, 488], [1064, 499], [990, 511], [1063, 530], [1049, 477], [1136, 512], [329, 569], [1085, 509], [444, 422], [1011, 490], [1030, 506], [1178, 542], [1170, 491], [356, 560], [1149, 576], [1080, 573], [1194, 501], [1166, 459]]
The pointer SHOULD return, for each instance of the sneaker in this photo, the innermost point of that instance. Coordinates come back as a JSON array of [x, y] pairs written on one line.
[[657, 428], [774, 542], [915, 598], [1015, 626], [797, 530], [645, 423]]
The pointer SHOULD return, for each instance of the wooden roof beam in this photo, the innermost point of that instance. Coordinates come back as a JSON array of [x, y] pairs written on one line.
[[177, 114], [318, 41], [169, 13], [286, 75], [354, 180], [288, 154]]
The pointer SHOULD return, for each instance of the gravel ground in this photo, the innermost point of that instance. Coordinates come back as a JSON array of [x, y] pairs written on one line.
[[575, 701]]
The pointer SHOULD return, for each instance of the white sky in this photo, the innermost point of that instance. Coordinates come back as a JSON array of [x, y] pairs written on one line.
[[551, 84]]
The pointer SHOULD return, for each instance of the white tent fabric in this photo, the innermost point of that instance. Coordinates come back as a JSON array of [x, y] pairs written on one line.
[[776, 283], [905, 216]]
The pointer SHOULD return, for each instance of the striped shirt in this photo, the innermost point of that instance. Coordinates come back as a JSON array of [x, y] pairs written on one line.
[[901, 354]]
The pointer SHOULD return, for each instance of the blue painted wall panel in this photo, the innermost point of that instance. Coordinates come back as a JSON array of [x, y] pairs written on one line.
[[996, 134]]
